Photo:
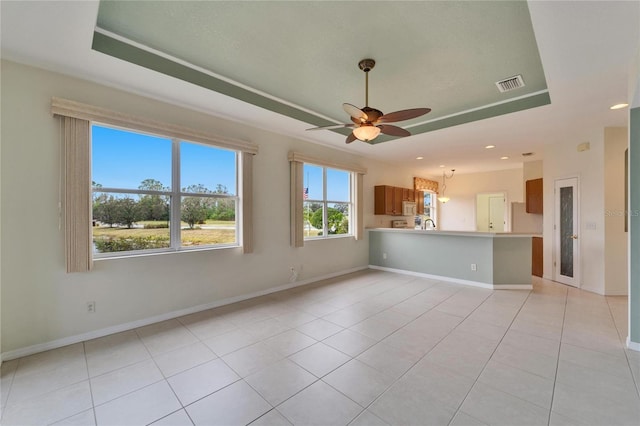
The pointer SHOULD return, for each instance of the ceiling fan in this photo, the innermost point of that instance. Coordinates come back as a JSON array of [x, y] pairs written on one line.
[[368, 122]]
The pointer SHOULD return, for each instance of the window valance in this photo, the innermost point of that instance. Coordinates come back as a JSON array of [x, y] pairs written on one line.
[[78, 110], [421, 184], [304, 158]]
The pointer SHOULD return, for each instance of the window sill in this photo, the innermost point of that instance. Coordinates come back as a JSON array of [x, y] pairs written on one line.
[[128, 255], [331, 237]]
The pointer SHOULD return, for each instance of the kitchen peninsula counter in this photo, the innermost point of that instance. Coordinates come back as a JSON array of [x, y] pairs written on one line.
[[482, 259]]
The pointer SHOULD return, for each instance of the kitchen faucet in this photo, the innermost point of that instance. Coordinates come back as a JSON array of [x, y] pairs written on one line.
[[424, 223]]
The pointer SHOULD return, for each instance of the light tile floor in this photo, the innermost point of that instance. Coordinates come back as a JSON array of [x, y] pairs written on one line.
[[371, 348]]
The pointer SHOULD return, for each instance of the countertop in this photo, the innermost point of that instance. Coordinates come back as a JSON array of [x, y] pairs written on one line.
[[456, 233]]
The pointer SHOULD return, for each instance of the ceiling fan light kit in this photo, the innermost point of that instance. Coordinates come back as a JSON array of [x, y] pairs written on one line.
[[366, 132], [367, 122]]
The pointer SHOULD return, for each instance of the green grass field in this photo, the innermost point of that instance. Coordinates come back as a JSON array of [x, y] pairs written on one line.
[[190, 237]]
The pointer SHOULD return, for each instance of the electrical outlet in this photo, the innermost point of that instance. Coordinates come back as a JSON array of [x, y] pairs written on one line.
[[474, 267], [91, 307], [384, 255]]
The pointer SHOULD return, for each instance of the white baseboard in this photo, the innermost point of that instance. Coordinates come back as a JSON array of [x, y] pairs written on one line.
[[65, 341], [634, 346], [456, 280]]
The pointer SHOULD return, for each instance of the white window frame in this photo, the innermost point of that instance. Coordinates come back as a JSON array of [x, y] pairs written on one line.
[[433, 207], [76, 140], [175, 199], [297, 161], [325, 204]]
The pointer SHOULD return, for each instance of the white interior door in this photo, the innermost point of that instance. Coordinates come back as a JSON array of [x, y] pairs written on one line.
[[567, 248], [496, 214], [490, 212]]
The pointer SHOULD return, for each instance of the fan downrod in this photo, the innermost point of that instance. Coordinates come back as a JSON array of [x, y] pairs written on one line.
[[366, 65]]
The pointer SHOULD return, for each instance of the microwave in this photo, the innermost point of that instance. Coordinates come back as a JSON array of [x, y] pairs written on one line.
[[409, 208]]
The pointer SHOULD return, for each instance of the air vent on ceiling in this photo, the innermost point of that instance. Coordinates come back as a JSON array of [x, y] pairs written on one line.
[[510, 83]]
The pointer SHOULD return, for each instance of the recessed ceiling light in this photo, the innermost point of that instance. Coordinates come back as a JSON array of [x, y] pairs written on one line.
[[490, 146], [419, 158], [504, 158], [619, 106], [441, 165], [527, 154]]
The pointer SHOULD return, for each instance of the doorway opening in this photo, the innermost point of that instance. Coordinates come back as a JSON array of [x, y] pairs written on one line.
[[491, 212]]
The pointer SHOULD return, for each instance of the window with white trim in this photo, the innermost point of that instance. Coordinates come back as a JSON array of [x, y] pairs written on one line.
[[154, 193], [328, 205], [430, 205], [328, 187]]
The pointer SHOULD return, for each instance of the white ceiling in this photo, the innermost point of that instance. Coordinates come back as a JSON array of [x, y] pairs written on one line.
[[587, 50]]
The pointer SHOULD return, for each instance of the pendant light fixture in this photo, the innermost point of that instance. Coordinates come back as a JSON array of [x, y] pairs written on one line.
[[443, 199]]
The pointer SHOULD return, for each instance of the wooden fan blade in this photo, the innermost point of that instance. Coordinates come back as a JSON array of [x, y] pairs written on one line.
[[405, 114], [351, 138], [388, 129], [332, 126], [355, 112]]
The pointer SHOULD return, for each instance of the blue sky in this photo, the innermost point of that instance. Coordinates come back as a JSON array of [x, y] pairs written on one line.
[[122, 159], [337, 183]]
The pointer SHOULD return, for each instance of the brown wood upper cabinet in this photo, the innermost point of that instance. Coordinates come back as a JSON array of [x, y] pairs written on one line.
[[388, 199], [534, 198], [408, 194]]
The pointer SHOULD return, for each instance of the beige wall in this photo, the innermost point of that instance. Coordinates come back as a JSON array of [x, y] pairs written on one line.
[[459, 213], [602, 240], [42, 304], [562, 160], [532, 170], [616, 244]]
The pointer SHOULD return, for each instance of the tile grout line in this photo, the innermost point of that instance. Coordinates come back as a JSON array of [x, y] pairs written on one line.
[[380, 341], [319, 379], [555, 378], [238, 327], [163, 376], [86, 363], [626, 355], [13, 375], [398, 287], [423, 356], [166, 380], [489, 359]]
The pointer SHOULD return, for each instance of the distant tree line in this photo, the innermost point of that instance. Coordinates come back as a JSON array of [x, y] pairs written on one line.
[[113, 211]]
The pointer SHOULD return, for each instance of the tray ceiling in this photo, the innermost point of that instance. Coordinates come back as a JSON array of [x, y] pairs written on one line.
[[299, 59]]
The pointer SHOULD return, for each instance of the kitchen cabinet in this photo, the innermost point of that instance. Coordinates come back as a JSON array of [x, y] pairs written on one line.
[[419, 202], [388, 200], [534, 202], [408, 194], [536, 257]]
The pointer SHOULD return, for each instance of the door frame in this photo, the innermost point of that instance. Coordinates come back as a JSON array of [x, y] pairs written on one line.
[[575, 281], [504, 213], [507, 212]]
